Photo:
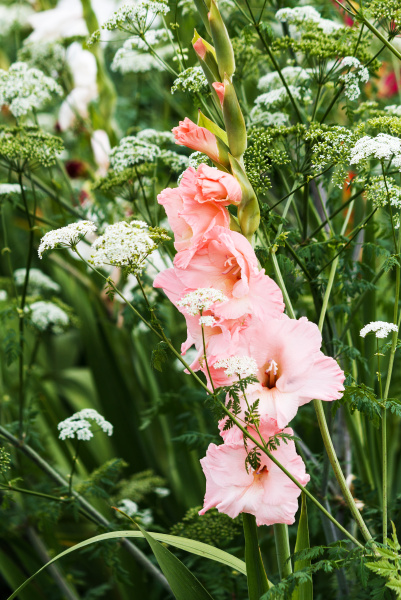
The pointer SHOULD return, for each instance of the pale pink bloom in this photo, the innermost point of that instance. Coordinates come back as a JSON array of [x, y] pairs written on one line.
[[219, 89], [189, 220], [101, 148], [291, 368], [208, 184], [83, 68], [198, 138], [266, 493], [227, 262]]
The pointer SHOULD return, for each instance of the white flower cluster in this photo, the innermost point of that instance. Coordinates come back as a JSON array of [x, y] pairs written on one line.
[[139, 15], [201, 299], [124, 245], [279, 97], [258, 116], [382, 147], [152, 37], [394, 109], [22, 88], [196, 159], [132, 151], [66, 237], [292, 76], [383, 192], [300, 14], [380, 328], [3, 295], [47, 316], [130, 508], [191, 80], [207, 321], [38, 281], [176, 162], [79, 426], [352, 79], [242, 366], [10, 189], [13, 17], [152, 136], [129, 60]]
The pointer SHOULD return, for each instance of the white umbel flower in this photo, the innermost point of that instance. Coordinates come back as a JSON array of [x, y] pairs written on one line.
[[132, 151], [292, 76], [38, 281], [242, 366], [201, 299], [126, 245], [10, 189], [208, 321], [300, 14], [352, 79], [65, 237], [382, 147], [22, 88], [46, 316], [381, 329], [79, 425]]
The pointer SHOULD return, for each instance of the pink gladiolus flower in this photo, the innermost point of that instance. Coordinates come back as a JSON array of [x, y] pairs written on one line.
[[292, 370], [198, 138], [266, 493], [198, 205], [227, 262], [219, 89]]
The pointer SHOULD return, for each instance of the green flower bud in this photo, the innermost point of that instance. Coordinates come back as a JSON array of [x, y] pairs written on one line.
[[248, 210], [233, 117], [221, 41]]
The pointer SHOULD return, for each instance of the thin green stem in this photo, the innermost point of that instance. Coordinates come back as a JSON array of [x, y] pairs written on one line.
[[73, 467]]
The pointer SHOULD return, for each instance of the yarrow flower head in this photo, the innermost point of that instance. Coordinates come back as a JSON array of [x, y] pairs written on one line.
[[65, 237], [127, 245], [22, 88], [201, 299], [132, 151], [242, 366], [292, 76], [137, 18], [46, 316], [381, 329], [79, 425], [277, 98]]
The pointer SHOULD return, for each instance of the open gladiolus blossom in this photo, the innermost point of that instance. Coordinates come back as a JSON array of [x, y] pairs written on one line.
[[235, 319]]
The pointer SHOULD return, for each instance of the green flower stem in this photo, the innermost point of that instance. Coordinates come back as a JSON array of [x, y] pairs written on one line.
[[282, 550], [74, 465], [387, 388], [94, 514], [322, 418]]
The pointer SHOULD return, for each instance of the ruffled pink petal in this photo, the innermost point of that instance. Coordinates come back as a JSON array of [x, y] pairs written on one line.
[[325, 381], [198, 138]]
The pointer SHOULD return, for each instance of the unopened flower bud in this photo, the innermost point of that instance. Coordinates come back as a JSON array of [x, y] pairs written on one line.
[[207, 60], [248, 210], [222, 42], [233, 117]]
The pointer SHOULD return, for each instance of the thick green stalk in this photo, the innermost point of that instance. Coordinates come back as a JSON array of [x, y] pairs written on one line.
[[282, 550], [258, 583]]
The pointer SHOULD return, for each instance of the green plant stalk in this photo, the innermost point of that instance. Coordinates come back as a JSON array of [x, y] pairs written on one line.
[[258, 583], [328, 444], [96, 515], [282, 550]]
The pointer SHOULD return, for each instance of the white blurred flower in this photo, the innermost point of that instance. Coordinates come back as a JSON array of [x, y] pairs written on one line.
[[7, 189], [65, 20], [128, 506], [3, 295], [13, 17], [101, 148], [46, 316], [79, 426], [38, 281], [83, 68]]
